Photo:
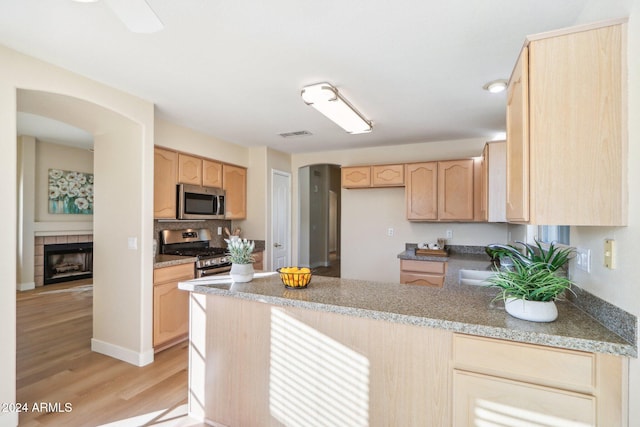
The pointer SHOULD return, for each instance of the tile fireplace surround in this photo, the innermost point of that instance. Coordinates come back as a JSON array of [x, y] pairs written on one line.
[[39, 243]]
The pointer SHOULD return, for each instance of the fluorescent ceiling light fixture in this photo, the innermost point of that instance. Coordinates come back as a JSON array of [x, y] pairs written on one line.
[[496, 86], [326, 99]]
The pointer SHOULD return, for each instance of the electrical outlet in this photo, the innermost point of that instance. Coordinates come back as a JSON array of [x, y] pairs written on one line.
[[449, 234], [583, 259], [219, 231], [390, 232]]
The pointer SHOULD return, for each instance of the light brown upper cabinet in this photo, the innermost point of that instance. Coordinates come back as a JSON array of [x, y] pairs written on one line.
[[440, 191], [172, 167], [455, 190], [165, 167], [566, 129], [356, 176], [373, 176], [235, 186], [189, 169], [198, 171], [480, 183], [387, 175], [495, 159], [211, 173], [421, 191]]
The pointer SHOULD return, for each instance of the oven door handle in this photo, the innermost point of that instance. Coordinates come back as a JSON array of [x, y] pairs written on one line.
[[203, 272]]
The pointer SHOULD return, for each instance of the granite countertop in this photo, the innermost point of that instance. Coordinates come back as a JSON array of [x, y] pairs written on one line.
[[161, 261], [454, 307]]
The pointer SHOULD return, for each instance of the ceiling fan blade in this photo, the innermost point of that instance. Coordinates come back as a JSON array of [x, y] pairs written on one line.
[[136, 15]]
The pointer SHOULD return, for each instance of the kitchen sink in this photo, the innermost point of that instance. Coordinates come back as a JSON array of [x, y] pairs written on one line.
[[474, 277]]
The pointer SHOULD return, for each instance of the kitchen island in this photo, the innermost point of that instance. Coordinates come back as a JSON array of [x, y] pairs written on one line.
[[388, 354]]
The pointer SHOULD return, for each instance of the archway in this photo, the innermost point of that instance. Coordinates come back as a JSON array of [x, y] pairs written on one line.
[[319, 213]]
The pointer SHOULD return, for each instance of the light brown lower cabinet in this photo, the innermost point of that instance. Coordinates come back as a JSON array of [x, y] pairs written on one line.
[[170, 305], [261, 364], [498, 382], [427, 273]]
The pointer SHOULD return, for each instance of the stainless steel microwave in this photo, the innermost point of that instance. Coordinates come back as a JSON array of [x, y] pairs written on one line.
[[196, 202]]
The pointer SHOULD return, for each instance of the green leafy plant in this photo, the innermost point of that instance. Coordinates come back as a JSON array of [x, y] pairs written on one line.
[[532, 282], [553, 258], [240, 250], [534, 274]]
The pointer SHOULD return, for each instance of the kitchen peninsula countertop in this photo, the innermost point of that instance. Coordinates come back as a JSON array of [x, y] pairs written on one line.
[[458, 308]]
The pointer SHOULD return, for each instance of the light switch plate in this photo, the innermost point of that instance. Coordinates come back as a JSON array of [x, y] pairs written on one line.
[[610, 253], [132, 243]]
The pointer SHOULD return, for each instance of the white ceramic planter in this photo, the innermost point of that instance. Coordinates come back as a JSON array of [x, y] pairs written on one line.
[[241, 273], [534, 311]]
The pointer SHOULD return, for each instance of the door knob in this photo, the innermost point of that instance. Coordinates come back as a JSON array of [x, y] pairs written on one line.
[[277, 245]]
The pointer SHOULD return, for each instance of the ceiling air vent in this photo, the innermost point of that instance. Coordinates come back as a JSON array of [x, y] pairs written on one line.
[[296, 133]]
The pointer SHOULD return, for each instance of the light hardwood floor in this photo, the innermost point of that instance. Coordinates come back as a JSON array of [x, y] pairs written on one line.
[[55, 366]]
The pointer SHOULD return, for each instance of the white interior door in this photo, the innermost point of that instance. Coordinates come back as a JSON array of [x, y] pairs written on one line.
[[280, 219]]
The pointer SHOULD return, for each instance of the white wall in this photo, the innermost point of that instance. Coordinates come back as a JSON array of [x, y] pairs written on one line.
[[8, 173], [367, 252], [128, 333], [180, 138], [25, 250]]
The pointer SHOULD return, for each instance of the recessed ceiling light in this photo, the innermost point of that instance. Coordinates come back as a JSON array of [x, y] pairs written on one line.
[[496, 86]]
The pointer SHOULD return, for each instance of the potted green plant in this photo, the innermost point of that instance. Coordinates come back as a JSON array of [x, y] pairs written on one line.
[[240, 252], [532, 281]]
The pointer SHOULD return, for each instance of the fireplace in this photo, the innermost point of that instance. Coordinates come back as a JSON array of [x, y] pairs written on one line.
[[68, 261]]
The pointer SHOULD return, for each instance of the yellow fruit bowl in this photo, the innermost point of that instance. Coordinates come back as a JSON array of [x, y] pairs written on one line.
[[294, 277]]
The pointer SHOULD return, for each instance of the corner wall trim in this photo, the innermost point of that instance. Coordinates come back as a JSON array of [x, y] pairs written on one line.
[[121, 353], [26, 286]]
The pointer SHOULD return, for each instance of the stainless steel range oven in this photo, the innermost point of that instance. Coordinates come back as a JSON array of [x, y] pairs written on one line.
[[195, 243]]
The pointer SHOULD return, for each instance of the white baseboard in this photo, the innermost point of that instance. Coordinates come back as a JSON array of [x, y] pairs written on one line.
[[26, 286], [121, 353]]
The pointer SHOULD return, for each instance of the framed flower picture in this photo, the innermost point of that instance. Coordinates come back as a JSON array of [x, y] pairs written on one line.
[[70, 192]]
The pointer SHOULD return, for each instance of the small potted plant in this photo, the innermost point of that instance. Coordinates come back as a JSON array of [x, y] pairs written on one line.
[[532, 281], [240, 252]]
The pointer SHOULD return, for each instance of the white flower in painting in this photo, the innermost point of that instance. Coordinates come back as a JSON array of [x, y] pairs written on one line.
[[73, 191], [72, 176], [54, 192], [64, 189], [61, 182], [55, 173], [89, 188], [90, 198], [82, 192], [82, 179], [73, 185], [90, 179], [82, 203]]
